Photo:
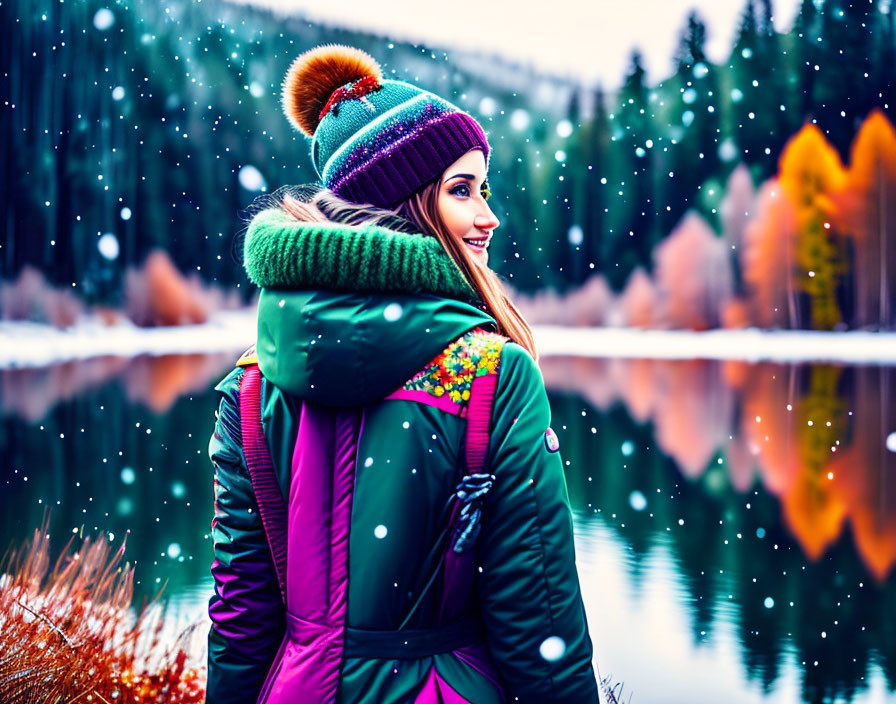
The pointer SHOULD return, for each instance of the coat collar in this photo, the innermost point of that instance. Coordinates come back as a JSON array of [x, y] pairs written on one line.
[[347, 314], [282, 252]]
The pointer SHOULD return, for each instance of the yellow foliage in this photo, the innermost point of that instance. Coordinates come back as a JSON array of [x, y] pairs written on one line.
[[810, 172]]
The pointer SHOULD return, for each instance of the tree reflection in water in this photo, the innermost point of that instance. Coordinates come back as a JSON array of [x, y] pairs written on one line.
[[155, 382], [787, 495], [111, 446], [769, 512]]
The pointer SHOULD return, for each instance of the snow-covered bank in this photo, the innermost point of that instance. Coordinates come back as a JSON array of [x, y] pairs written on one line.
[[31, 345], [25, 344], [749, 345]]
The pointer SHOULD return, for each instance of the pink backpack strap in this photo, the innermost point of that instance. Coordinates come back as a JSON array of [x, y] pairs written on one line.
[[479, 415], [456, 566], [271, 506], [458, 571], [457, 577]]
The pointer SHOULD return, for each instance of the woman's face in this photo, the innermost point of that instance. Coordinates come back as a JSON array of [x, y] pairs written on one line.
[[463, 192]]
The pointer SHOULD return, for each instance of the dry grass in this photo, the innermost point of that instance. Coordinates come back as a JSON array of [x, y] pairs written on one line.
[[68, 633]]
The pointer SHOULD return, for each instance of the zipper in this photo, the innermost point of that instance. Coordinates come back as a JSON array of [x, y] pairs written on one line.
[[272, 672]]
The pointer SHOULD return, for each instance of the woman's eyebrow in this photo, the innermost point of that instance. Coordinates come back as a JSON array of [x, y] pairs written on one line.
[[469, 177]]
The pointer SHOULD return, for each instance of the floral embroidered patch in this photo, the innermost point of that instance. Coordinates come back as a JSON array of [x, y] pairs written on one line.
[[451, 373]]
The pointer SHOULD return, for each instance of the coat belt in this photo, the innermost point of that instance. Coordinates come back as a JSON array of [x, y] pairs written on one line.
[[408, 644], [411, 644]]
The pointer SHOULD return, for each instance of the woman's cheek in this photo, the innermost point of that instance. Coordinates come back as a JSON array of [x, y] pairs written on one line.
[[456, 223]]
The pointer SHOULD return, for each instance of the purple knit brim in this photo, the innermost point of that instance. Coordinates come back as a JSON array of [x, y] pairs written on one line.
[[403, 168]]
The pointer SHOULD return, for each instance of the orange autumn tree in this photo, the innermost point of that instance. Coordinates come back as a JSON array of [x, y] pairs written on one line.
[[863, 468], [831, 236], [811, 176], [813, 509], [766, 259], [866, 212]]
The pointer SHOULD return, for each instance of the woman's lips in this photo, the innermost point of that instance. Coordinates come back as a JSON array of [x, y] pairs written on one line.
[[478, 244]]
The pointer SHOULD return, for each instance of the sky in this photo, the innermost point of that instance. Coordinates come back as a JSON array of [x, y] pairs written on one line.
[[590, 40]]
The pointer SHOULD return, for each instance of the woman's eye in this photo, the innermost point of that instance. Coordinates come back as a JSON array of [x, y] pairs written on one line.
[[463, 190]]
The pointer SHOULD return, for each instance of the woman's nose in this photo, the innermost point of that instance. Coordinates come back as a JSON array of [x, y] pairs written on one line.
[[486, 220]]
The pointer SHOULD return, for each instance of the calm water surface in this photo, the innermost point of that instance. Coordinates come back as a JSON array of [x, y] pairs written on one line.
[[735, 523]]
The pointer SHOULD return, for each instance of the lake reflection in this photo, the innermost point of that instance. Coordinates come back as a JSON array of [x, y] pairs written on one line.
[[763, 497], [736, 523]]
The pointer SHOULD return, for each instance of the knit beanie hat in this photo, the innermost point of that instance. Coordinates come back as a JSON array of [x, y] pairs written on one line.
[[373, 140]]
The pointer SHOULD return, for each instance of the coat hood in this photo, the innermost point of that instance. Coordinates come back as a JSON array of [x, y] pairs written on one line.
[[347, 314]]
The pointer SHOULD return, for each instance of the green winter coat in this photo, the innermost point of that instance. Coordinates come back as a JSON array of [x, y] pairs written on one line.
[[347, 318]]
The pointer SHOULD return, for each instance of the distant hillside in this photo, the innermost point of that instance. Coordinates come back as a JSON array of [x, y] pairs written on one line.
[[158, 123]]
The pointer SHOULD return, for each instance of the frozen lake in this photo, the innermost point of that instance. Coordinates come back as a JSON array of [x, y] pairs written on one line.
[[25, 344], [735, 519]]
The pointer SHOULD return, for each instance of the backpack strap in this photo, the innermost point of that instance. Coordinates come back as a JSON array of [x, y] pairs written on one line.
[[271, 506], [456, 540], [458, 568], [457, 575], [479, 415]]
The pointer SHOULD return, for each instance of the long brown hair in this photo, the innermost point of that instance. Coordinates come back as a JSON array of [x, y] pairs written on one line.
[[422, 209], [420, 213]]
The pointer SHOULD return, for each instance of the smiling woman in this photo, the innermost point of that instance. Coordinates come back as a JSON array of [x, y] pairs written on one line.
[[463, 203], [391, 516]]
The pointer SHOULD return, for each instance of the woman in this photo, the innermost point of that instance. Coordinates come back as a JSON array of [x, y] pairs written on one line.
[[406, 575]]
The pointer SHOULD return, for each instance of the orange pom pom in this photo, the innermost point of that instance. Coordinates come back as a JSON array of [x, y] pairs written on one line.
[[313, 77]]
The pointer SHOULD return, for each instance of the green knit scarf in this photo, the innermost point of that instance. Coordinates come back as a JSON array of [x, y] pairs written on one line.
[[281, 252]]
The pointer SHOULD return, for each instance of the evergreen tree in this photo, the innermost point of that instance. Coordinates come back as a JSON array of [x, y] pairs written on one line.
[[806, 30], [765, 19], [885, 61], [846, 90], [695, 155], [565, 243], [631, 217], [593, 143], [760, 105]]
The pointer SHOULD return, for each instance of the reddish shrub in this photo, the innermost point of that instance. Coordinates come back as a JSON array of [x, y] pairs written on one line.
[[158, 294]]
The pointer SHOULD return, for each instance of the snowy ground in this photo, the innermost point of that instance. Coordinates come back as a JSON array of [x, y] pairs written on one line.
[[32, 345], [751, 345]]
